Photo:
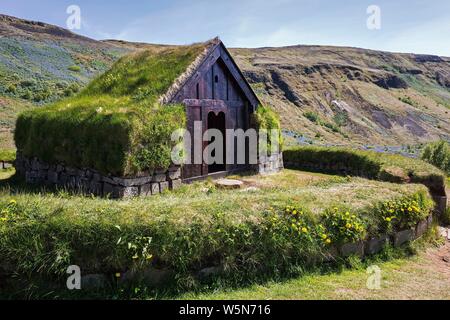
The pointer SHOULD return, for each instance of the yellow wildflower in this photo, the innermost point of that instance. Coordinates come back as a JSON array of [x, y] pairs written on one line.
[[305, 230]]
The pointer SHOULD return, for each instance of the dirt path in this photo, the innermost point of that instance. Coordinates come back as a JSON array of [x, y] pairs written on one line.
[[427, 277]]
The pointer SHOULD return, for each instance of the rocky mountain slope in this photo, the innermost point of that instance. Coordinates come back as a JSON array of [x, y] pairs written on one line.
[[328, 95], [349, 95]]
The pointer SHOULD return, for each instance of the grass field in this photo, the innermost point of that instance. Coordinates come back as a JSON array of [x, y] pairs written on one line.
[[195, 227], [314, 191], [419, 277], [9, 110]]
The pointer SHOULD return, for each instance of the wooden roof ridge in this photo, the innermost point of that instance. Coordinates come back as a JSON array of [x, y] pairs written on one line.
[[189, 74], [179, 82]]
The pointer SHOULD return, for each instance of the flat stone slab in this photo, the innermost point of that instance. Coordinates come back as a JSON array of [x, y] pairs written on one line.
[[404, 236], [229, 184], [350, 249], [375, 245], [443, 232]]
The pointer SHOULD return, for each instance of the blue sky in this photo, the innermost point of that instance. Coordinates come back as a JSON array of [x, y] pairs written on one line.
[[418, 26]]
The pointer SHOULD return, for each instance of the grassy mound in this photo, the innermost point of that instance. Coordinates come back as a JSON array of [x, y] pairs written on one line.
[[264, 232], [370, 164], [115, 125]]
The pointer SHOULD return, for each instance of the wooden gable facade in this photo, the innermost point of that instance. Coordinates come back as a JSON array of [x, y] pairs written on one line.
[[218, 95]]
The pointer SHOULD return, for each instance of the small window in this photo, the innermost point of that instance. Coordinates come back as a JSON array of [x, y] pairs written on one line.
[[198, 91], [216, 79]]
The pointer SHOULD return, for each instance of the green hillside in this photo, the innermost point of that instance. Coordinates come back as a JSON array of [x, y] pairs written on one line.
[[324, 95]]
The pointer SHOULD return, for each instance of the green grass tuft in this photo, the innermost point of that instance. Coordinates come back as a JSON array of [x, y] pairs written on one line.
[[7, 155], [250, 234], [266, 119]]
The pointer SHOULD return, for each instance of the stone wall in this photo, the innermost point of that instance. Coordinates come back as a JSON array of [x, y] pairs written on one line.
[[270, 164], [374, 245], [90, 181], [5, 165]]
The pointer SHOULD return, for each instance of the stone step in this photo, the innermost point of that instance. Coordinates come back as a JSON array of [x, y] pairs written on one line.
[[229, 184]]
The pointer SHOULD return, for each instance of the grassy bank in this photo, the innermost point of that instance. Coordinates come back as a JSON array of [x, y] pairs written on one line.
[[282, 221], [403, 277], [370, 164]]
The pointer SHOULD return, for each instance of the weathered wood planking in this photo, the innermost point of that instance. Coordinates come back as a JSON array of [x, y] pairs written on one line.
[[217, 86]]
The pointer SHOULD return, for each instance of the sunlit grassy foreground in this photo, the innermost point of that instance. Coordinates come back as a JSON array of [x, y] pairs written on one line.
[[406, 278], [246, 232]]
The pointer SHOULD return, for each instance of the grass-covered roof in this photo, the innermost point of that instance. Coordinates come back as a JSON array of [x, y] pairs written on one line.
[[116, 125]]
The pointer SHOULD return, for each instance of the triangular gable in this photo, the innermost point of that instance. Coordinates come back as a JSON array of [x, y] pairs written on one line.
[[204, 62]]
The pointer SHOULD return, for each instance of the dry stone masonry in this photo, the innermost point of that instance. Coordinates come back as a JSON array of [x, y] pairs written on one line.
[[270, 164], [155, 278], [376, 244], [92, 182], [89, 181]]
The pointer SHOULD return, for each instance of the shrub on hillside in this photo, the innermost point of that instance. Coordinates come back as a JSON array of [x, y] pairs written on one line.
[[438, 154], [12, 88], [312, 116], [74, 68]]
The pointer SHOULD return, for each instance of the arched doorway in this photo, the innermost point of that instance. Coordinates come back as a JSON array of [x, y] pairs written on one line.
[[218, 122]]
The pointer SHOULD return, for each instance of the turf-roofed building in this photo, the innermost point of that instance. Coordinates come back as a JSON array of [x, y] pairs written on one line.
[[115, 137]]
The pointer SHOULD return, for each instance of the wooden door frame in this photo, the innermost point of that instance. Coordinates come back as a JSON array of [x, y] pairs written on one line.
[[206, 106]]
